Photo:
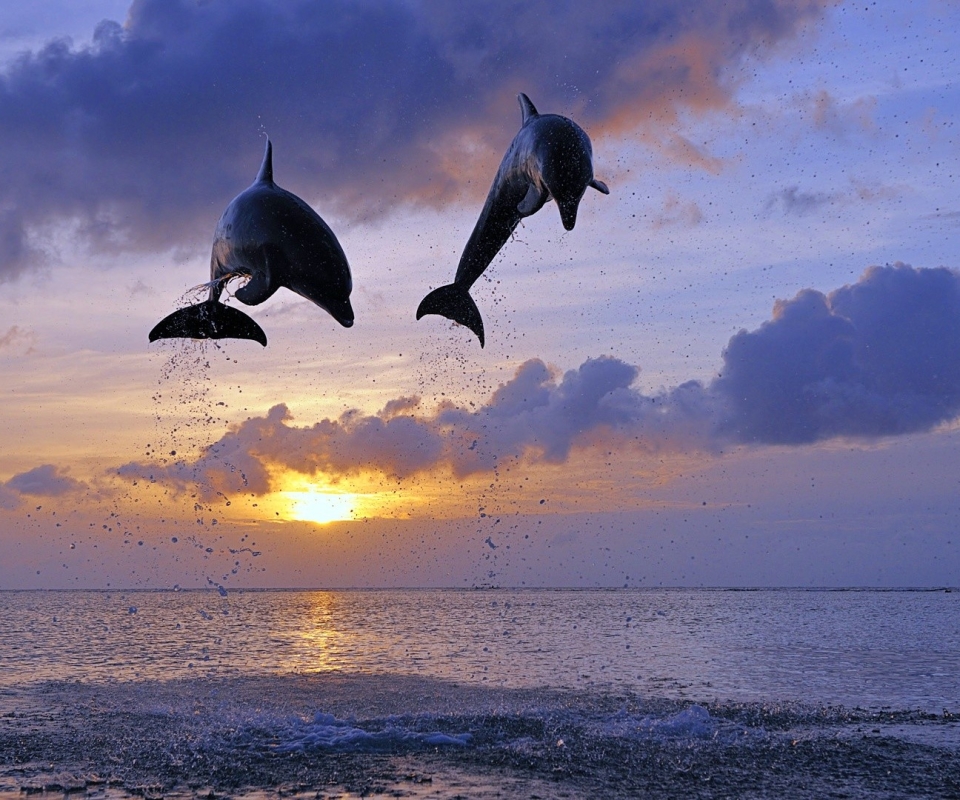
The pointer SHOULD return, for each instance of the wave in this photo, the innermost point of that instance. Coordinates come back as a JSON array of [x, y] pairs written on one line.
[[420, 737]]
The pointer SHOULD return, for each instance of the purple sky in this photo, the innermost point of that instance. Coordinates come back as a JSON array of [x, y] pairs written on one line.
[[741, 368]]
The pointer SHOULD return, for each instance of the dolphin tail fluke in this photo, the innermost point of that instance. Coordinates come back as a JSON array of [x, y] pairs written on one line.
[[455, 303], [208, 320]]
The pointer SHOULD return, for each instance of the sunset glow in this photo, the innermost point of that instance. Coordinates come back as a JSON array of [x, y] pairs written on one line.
[[319, 506], [740, 366]]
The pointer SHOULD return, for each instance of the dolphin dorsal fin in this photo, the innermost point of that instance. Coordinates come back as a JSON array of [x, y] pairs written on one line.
[[527, 108], [265, 175]]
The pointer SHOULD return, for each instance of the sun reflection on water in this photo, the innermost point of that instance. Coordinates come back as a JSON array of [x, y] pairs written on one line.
[[314, 641]]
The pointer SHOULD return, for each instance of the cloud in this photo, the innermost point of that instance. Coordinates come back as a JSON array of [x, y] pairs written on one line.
[[9, 499], [44, 481], [837, 117], [949, 217], [793, 200], [677, 213], [875, 191], [537, 416], [17, 254], [880, 357], [141, 288], [138, 141], [15, 335]]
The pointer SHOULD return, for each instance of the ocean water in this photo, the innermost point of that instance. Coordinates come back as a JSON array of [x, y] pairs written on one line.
[[480, 694]]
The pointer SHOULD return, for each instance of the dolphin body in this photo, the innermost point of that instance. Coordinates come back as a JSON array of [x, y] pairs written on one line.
[[273, 238], [551, 157]]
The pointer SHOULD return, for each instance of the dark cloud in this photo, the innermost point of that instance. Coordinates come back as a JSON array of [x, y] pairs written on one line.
[[9, 499], [17, 254], [537, 416], [141, 288], [44, 481], [792, 200], [139, 140], [15, 335], [876, 358]]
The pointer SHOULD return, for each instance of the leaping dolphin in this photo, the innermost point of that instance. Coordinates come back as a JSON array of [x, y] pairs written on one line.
[[551, 157], [273, 238]]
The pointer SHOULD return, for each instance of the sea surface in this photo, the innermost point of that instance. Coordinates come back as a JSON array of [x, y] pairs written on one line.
[[496, 693]]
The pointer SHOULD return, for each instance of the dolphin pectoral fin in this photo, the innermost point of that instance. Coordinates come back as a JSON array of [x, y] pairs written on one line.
[[208, 320], [256, 290], [527, 108], [532, 201], [600, 186], [455, 303]]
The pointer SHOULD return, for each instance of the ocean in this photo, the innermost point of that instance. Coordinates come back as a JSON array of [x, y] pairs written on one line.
[[487, 693]]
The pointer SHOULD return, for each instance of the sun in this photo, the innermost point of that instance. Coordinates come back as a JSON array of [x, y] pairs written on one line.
[[321, 507]]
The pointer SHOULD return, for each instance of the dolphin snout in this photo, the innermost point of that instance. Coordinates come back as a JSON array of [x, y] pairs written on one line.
[[341, 311], [568, 215]]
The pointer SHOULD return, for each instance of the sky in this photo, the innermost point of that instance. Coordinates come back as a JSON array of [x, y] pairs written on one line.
[[741, 368]]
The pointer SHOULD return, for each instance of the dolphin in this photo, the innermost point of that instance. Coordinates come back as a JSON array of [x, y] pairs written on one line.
[[551, 157], [271, 237]]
